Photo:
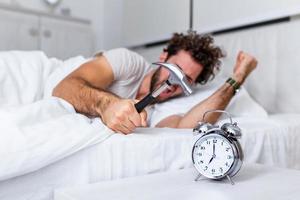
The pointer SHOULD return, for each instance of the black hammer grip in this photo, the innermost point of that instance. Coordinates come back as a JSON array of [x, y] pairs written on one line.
[[144, 102]]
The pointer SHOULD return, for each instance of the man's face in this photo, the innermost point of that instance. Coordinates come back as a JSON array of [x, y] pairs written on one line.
[[189, 66]]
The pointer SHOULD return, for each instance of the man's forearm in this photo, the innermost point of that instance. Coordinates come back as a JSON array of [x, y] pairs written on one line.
[[219, 100], [85, 98]]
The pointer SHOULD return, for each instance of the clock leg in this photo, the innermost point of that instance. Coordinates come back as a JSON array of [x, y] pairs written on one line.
[[231, 181], [198, 177]]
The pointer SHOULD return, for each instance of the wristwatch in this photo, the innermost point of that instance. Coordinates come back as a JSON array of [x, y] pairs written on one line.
[[236, 86]]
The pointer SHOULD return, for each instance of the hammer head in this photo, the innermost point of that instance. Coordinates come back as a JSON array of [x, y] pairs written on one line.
[[177, 77]]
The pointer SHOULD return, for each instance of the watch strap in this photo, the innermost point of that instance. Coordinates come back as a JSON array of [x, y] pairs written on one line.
[[236, 86]]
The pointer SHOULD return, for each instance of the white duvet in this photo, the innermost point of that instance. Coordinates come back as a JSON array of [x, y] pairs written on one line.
[[37, 129], [273, 141], [36, 132]]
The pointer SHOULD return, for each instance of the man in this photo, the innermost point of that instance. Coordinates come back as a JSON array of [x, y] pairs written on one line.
[[106, 85]]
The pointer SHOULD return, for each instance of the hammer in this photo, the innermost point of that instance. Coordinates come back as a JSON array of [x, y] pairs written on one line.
[[176, 77]]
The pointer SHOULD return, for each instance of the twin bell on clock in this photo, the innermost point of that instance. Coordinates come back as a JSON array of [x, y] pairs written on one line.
[[217, 153]]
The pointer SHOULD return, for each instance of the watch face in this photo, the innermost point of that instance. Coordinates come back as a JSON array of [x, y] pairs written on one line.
[[213, 155]]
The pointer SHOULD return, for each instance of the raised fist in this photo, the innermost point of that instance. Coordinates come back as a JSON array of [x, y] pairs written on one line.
[[245, 64]]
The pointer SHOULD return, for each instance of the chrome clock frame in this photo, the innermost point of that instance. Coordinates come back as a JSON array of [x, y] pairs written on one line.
[[227, 133]]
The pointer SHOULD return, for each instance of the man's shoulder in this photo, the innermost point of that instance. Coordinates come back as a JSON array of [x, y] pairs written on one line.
[[126, 63], [125, 56]]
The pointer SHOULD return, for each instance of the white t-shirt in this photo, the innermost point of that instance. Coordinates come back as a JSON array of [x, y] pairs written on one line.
[[129, 68]]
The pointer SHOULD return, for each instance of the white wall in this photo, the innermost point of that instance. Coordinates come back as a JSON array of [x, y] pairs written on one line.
[[136, 22], [32, 4], [112, 28], [152, 21], [212, 15], [112, 23], [5, 1]]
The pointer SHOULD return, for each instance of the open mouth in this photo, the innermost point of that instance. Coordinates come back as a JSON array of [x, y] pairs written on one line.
[[168, 91]]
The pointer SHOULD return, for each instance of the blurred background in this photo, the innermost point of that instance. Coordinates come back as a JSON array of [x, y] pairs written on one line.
[[65, 28], [268, 29]]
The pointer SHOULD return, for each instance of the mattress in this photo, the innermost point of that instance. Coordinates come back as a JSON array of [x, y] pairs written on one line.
[[273, 141]]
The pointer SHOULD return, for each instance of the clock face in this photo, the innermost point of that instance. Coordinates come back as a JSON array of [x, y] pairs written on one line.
[[213, 155]]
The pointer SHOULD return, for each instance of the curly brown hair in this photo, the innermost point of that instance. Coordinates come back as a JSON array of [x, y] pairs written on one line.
[[201, 48]]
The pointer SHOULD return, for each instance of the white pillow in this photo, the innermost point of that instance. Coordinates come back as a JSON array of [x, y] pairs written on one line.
[[241, 104]]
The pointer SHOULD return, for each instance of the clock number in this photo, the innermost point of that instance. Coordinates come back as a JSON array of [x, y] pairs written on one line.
[[205, 168], [202, 148], [213, 171], [207, 142], [215, 141], [200, 162], [199, 154], [227, 149], [221, 169], [222, 143], [227, 164]]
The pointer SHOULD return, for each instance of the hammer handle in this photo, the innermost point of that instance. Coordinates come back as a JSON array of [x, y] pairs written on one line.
[[144, 102]]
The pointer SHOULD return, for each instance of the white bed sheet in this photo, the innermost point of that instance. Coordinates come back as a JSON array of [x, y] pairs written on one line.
[[273, 141]]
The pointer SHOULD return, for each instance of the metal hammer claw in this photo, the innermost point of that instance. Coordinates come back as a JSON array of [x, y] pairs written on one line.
[[176, 77]]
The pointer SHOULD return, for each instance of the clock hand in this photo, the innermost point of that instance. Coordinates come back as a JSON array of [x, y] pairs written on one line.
[[214, 155], [210, 160]]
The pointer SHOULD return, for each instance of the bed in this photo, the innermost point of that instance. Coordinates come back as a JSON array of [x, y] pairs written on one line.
[[51, 146], [272, 141]]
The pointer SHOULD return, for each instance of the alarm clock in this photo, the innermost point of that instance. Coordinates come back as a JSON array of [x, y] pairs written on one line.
[[217, 153]]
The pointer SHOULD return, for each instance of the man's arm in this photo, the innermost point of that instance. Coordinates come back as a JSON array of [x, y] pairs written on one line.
[[85, 89], [219, 100]]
